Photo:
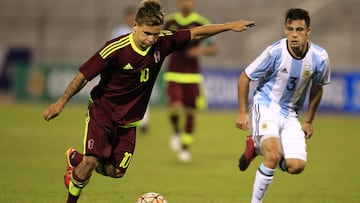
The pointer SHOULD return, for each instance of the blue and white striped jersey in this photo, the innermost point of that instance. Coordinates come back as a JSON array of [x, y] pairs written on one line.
[[284, 80]]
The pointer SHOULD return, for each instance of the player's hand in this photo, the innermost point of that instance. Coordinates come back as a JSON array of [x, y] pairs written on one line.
[[53, 110], [308, 130], [242, 25], [242, 121]]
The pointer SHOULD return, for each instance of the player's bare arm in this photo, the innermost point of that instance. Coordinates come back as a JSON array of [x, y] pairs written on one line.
[[242, 121], [74, 87], [201, 32], [314, 101]]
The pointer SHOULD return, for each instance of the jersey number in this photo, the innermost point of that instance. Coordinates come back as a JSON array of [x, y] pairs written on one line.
[[292, 83], [144, 75], [126, 160]]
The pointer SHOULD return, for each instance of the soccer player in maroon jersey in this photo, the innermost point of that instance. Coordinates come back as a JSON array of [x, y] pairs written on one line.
[[128, 66], [183, 78]]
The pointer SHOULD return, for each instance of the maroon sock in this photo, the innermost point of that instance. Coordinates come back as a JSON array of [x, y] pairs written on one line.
[[174, 118], [71, 198], [76, 158], [189, 128]]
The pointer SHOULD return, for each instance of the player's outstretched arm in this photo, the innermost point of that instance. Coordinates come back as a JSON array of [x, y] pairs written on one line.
[[74, 87], [201, 32]]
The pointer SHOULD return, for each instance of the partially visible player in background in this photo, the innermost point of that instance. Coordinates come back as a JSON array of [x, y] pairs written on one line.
[[125, 28], [128, 66], [285, 71], [128, 23], [184, 79]]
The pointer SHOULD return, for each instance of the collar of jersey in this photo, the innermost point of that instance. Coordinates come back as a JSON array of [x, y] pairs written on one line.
[[135, 48], [185, 20]]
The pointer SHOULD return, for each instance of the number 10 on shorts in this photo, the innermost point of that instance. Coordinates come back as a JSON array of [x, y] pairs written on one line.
[[126, 160]]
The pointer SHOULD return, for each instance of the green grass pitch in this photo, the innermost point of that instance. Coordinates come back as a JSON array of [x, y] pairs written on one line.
[[33, 164]]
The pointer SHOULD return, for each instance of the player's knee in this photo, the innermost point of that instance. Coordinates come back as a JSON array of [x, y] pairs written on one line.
[[113, 172], [272, 156], [272, 152], [118, 173], [295, 166]]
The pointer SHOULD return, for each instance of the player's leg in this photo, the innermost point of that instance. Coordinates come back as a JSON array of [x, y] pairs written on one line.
[[265, 127], [73, 159], [175, 95], [186, 138], [97, 129], [192, 101], [294, 147], [122, 152], [80, 177]]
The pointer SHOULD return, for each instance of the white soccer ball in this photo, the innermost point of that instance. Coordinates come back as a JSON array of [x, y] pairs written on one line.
[[151, 197]]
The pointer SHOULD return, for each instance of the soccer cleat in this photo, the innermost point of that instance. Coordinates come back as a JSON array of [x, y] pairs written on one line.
[[69, 167], [248, 155], [175, 143], [184, 156]]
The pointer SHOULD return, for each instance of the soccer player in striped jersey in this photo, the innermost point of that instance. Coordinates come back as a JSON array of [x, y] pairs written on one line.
[[128, 66], [183, 78], [285, 71]]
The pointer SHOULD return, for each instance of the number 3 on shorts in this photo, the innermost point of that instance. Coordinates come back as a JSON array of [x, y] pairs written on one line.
[[126, 160]]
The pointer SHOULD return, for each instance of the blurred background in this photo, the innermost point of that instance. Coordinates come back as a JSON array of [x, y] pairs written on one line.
[[43, 42]]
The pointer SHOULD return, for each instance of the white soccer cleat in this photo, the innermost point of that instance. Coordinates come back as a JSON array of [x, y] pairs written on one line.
[[184, 156], [175, 143]]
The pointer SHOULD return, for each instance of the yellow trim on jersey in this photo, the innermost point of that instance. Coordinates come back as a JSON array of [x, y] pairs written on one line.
[[110, 48], [135, 48], [130, 125], [192, 18], [165, 33], [185, 78]]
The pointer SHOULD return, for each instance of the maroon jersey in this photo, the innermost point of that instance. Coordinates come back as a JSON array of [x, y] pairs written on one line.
[[179, 61], [128, 74]]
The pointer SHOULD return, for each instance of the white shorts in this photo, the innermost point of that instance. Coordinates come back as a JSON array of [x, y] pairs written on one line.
[[267, 122]]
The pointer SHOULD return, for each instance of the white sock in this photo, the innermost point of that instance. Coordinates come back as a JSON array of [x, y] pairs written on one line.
[[263, 179]]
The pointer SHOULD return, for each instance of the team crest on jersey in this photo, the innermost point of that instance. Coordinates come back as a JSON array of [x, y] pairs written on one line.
[[157, 56], [306, 71], [264, 126]]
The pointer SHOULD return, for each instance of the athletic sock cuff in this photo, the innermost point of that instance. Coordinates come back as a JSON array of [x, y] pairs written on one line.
[[265, 170]]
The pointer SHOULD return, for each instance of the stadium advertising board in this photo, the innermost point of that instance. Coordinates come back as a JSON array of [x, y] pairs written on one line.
[[220, 86]]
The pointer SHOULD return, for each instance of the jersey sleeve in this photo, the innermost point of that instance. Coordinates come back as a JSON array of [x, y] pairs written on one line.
[[177, 40], [323, 71], [95, 65], [261, 65]]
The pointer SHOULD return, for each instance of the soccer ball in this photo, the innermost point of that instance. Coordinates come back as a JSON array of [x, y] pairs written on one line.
[[151, 197]]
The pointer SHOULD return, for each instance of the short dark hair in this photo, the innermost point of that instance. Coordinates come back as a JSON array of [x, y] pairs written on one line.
[[150, 13], [297, 14]]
